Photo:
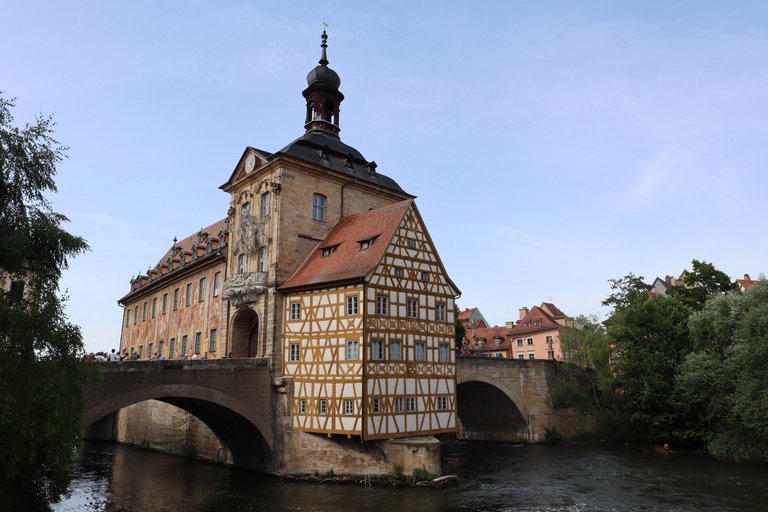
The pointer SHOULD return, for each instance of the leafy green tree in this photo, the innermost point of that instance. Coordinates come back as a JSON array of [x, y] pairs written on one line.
[[626, 290], [586, 344], [723, 386], [41, 368], [649, 337], [459, 330], [701, 283]]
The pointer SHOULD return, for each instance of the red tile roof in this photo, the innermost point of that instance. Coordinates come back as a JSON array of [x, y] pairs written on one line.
[[489, 334], [191, 241], [546, 322], [465, 315], [553, 310], [348, 261]]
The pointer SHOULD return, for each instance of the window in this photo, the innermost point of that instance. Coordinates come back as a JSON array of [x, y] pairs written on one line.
[[411, 243], [352, 305], [144, 311], [349, 407], [265, 205], [537, 322], [376, 406], [529, 341], [295, 311], [399, 404], [377, 349], [160, 347], [326, 251], [188, 295], [212, 341], [198, 341], [519, 342], [172, 348], [294, 353], [323, 406], [412, 310], [201, 290], [154, 307], [302, 406], [420, 352], [135, 315], [410, 404], [184, 344], [549, 340], [165, 303], [263, 261], [442, 403], [216, 284], [364, 245], [242, 263], [441, 312], [382, 305], [398, 272], [318, 207], [351, 350], [395, 350], [531, 355], [443, 353], [425, 276], [141, 351], [127, 316], [149, 349], [175, 299]]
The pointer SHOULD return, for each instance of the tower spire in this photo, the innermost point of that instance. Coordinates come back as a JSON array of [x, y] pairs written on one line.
[[323, 95], [323, 57]]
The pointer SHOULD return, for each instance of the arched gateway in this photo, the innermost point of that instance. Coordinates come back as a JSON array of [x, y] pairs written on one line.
[[223, 394], [245, 333]]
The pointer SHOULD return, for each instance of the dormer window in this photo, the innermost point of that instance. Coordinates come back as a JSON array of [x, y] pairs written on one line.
[[365, 243], [537, 322], [327, 251]]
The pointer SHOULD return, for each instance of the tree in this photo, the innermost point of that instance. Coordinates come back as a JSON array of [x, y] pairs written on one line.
[[650, 338], [702, 282], [459, 330], [585, 343], [41, 368], [625, 291], [723, 386]]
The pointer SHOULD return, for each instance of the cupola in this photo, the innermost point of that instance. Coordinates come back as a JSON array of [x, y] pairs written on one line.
[[323, 96]]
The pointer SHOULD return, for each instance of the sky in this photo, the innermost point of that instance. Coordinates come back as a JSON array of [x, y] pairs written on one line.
[[552, 146]]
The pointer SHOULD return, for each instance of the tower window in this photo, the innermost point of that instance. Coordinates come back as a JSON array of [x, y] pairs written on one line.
[[263, 259], [265, 205], [242, 263], [318, 207]]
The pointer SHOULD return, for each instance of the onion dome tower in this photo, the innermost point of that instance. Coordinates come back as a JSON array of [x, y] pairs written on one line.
[[323, 96]]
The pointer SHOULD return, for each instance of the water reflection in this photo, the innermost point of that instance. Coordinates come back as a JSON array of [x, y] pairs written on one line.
[[494, 478]]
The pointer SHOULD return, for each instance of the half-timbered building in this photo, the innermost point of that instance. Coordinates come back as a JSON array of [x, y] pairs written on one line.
[[369, 330]]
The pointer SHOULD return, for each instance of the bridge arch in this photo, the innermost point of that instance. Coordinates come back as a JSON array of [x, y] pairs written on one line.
[[238, 410]]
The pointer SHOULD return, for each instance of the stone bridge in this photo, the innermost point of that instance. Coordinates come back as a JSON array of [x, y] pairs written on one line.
[[497, 400], [233, 397], [507, 399]]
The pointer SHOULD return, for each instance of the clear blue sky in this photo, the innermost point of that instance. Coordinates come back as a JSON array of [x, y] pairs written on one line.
[[552, 145]]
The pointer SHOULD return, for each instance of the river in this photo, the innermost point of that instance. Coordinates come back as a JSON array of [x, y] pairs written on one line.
[[493, 477]]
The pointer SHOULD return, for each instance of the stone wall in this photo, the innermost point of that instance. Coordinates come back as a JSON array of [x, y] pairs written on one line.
[[163, 427], [318, 453]]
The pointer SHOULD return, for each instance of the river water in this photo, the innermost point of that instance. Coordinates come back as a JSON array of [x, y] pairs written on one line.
[[493, 477]]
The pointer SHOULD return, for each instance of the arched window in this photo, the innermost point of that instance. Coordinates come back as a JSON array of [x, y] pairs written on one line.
[[318, 207]]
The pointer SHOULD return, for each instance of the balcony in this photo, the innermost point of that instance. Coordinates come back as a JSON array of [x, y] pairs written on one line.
[[244, 288]]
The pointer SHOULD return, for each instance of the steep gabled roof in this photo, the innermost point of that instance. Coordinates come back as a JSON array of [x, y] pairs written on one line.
[[345, 259], [536, 320], [553, 311]]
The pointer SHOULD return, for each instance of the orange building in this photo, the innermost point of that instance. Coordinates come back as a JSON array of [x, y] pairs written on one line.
[[536, 335]]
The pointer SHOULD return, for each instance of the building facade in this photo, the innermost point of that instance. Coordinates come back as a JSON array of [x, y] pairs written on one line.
[[325, 266]]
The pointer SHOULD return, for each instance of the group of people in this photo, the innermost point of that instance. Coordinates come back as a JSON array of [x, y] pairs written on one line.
[[134, 356]]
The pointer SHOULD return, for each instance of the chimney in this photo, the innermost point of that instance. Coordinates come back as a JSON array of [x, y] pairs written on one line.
[[523, 312], [510, 324]]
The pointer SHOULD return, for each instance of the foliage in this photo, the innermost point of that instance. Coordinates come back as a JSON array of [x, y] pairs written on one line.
[[701, 283], [723, 385], [421, 474], [567, 394], [459, 330], [626, 291], [650, 340], [586, 344], [553, 436], [41, 369]]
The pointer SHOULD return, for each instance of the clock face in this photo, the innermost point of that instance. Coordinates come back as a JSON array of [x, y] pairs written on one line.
[[250, 163]]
